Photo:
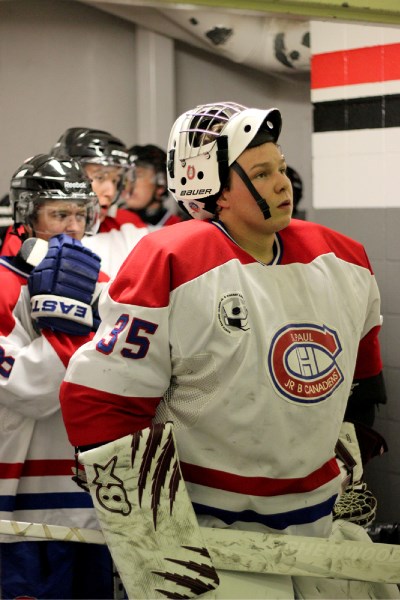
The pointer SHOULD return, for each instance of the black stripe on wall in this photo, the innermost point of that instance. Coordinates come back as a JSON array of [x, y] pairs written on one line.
[[374, 112]]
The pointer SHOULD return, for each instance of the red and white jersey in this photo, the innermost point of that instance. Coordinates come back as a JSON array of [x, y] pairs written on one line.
[[253, 363], [163, 217], [169, 218], [113, 246], [36, 458], [118, 216]]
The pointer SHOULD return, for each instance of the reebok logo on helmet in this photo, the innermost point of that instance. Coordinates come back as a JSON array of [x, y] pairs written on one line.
[[75, 185]]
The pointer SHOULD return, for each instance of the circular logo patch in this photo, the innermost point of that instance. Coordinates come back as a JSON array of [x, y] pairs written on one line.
[[233, 313], [302, 362]]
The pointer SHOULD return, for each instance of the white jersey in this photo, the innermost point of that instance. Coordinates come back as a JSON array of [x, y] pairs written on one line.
[[36, 458], [114, 246], [253, 363]]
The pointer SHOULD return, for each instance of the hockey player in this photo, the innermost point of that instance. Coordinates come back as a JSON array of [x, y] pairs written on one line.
[[46, 312], [146, 192], [243, 329], [104, 158], [105, 161]]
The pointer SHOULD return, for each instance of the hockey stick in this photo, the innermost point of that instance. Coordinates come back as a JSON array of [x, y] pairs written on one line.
[[257, 552]]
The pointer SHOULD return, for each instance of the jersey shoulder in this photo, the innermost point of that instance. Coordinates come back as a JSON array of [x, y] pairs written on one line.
[[304, 241], [13, 268], [196, 246], [169, 257], [12, 279]]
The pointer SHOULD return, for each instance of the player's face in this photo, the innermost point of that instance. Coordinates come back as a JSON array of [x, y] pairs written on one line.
[[266, 167], [60, 216], [105, 184], [142, 189]]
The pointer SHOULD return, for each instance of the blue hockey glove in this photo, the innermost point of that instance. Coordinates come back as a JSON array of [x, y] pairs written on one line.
[[62, 286]]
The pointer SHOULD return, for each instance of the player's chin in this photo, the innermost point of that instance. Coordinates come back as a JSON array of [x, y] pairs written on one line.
[[281, 220]]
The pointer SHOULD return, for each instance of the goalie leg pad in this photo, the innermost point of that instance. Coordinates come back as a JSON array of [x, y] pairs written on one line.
[[147, 518]]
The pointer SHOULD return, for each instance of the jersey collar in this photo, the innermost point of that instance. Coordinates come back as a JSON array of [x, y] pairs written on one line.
[[277, 248]]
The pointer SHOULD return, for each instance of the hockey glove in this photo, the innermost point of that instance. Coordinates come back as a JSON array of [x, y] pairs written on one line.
[[356, 504], [62, 287]]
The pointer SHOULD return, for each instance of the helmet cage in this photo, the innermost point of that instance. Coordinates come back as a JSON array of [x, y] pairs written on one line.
[[25, 207], [204, 143]]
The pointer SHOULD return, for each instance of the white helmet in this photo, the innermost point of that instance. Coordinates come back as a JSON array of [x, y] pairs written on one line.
[[205, 142]]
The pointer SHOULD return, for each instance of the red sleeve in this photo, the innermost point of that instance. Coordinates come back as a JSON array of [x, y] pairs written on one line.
[[12, 243], [11, 284], [77, 408], [369, 361], [65, 344]]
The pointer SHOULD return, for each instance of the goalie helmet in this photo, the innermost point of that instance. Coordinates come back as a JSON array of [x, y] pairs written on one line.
[[92, 146], [205, 142], [45, 177]]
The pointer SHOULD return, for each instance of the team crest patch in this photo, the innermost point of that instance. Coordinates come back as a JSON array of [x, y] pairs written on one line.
[[233, 313], [302, 362]]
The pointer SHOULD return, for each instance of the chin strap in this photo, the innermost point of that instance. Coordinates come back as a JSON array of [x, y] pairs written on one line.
[[262, 204]]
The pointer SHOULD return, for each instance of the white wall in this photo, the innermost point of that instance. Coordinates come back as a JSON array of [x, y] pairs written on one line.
[[65, 64], [62, 64]]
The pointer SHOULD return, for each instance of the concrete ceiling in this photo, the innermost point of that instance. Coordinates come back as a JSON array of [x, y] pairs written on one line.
[[271, 36], [372, 11]]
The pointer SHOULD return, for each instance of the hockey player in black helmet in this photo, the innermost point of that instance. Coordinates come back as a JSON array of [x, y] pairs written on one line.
[[45, 180], [48, 309], [105, 160], [48, 175], [145, 191]]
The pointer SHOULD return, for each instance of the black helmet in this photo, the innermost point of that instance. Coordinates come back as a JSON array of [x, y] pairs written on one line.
[[297, 185], [150, 156], [92, 146], [45, 177]]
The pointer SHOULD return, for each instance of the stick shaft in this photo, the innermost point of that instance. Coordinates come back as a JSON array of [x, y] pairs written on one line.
[[256, 552]]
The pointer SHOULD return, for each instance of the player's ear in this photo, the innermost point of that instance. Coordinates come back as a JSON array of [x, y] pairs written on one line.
[[222, 202]]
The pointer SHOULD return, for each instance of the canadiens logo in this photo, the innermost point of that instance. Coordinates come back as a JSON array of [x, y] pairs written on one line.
[[195, 207], [302, 362], [233, 313]]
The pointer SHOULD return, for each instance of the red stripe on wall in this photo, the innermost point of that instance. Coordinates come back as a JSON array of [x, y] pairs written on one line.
[[259, 486], [359, 65]]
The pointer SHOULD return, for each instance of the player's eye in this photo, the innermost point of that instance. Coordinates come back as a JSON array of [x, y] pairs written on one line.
[[261, 175], [59, 215]]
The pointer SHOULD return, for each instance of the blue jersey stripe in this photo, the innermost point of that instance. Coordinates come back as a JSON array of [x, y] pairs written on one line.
[[278, 521], [45, 501]]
